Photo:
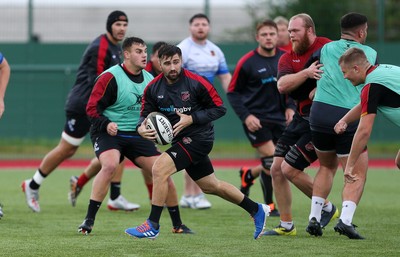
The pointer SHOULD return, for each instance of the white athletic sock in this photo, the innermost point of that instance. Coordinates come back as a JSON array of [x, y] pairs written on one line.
[[327, 207], [38, 178], [348, 210], [287, 224], [316, 207]]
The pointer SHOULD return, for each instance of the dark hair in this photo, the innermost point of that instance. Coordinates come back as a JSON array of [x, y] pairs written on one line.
[[267, 22], [169, 51], [197, 16], [352, 20], [158, 45], [129, 41]]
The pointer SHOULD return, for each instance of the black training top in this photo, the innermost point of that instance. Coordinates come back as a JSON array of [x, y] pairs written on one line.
[[253, 89], [191, 94], [100, 55]]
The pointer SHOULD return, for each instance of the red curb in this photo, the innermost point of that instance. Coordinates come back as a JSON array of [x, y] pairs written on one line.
[[218, 163]]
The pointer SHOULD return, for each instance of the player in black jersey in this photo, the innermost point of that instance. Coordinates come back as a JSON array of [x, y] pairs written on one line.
[[264, 112], [101, 53], [191, 103]]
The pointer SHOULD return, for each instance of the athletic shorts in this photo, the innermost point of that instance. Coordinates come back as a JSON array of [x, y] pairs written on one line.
[[297, 133], [326, 142], [323, 119], [130, 144], [269, 131], [76, 125], [192, 155]]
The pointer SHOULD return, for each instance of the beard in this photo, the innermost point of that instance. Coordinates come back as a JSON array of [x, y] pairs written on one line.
[[300, 47], [173, 77]]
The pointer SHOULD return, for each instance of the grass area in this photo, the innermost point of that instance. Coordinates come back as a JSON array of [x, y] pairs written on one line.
[[223, 230], [33, 149]]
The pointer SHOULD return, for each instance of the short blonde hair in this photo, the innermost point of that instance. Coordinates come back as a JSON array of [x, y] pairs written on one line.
[[308, 21], [353, 55]]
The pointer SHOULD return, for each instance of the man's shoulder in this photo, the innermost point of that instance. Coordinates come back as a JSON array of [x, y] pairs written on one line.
[[184, 43]]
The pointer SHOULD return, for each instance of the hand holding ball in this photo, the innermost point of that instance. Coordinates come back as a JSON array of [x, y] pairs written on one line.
[[160, 123]]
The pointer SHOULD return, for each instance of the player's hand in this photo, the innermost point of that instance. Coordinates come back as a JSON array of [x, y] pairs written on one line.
[[289, 113], [112, 128], [340, 127], [314, 71], [184, 121], [252, 123], [145, 132], [349, 177]]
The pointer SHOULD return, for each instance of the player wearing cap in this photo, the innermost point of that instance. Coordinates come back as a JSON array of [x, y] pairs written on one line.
[[100, 54]]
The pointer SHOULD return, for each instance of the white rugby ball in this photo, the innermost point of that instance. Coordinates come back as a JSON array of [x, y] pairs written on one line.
[[160, 123]]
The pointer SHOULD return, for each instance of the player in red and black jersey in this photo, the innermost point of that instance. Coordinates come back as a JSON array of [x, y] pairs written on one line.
[[294, 151], [264, 112], [153, 65], [99, 55], [191, 103]]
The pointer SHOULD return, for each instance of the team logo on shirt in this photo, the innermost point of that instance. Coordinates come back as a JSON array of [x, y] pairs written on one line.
[[185, 96], [309, 147], [186, 140], [212, 53], [137, 103]]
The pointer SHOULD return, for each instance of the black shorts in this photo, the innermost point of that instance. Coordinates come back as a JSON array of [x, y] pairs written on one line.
[[76, 125], [192, 155], [269, 131], [297, 133], [327, 142], [129, 144], [323, 118]]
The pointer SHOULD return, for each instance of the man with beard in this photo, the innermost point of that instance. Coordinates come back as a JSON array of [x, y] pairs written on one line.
[[191, 103], [205, 58], [113, 110], [264, 112], [294, 150]]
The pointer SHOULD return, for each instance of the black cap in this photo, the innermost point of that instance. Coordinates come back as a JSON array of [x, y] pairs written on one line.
[[114, 17], [352, 20]]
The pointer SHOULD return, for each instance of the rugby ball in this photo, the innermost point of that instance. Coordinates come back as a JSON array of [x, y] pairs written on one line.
[[160, 123]]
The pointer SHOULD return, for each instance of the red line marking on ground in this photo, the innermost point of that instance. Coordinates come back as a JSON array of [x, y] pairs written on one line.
[[218, 163]]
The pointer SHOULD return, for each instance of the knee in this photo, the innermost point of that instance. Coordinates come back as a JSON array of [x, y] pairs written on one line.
[[288, 171]]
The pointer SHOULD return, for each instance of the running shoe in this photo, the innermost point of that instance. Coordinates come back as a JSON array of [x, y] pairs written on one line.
[[86, 226], [259, 219], [32, 196], [245, 183], [145, 230], [182, 229], [120, 203], [314, 227], [186, 201], [349, 231], [327, 217], [274, 213], [74, 190], [200, 202], [281, 231]]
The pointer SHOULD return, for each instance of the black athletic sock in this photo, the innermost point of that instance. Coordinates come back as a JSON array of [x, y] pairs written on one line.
[[266, 184], [33, 183], [175, 215], [155, 215], [92, 209], [249, 205], [115, 190]]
